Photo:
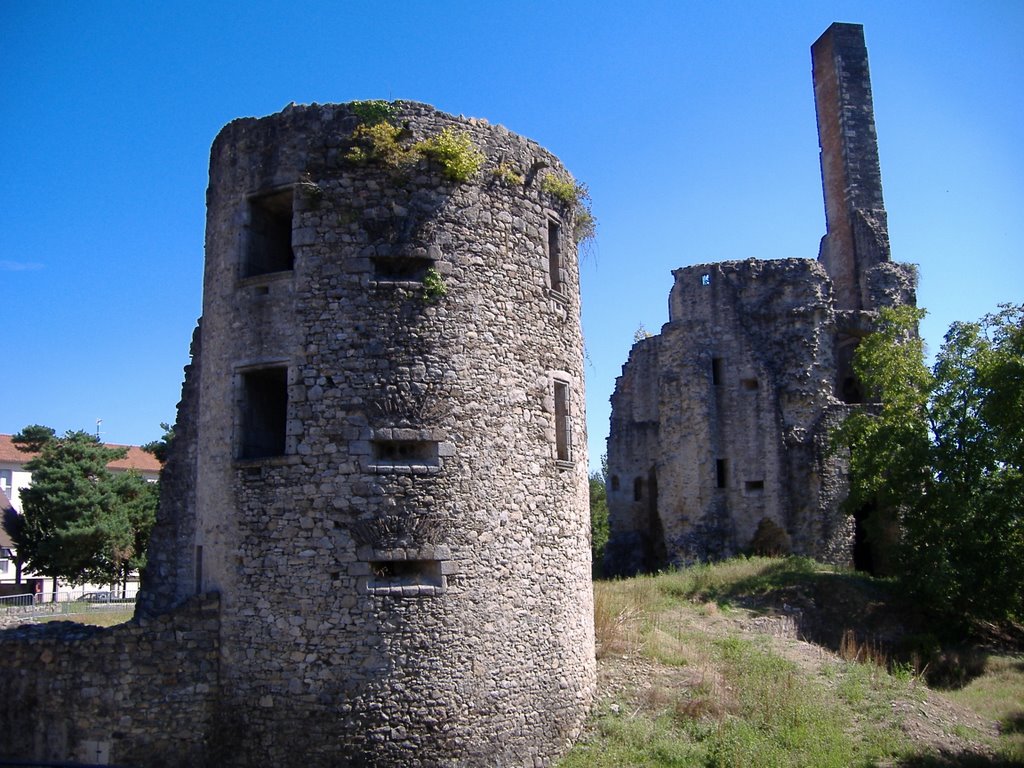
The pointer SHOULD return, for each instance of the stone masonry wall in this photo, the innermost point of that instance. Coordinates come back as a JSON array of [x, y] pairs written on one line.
[[379, 474], [638, 540], [755, 368], [744, 373], [406, 578], [857, 237], [143, 693]]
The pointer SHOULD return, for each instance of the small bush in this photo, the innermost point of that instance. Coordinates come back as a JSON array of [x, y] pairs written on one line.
[[454, 152], [585, 226], [380, 142], [770, 540], [576, 196], [566, 191], [434, 288], [373, 111], [508, 175]]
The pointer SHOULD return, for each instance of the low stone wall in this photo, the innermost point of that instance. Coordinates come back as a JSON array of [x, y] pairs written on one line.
[[141, 693]]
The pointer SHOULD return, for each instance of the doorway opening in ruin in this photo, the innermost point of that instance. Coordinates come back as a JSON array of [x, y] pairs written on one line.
[[848, 386], [863, 551], [876, 540], [657, 553]]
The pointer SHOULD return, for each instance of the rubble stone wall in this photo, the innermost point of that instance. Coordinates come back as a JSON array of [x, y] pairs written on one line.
[[143, 693], [743, 373], [754, 369], [407, 580], [379, 467]]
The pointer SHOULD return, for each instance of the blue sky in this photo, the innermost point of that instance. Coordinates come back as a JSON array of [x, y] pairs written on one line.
[[692, 123]]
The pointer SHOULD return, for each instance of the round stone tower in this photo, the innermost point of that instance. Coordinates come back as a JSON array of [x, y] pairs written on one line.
[[387, 443]]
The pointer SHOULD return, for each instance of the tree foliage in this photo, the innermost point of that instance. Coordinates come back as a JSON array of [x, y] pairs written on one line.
[[161, 448], [79, 521], [598, 515], [942, 453]]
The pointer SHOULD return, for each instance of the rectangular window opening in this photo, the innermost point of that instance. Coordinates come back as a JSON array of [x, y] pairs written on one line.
[[405, 452], [269, 241], [555, 255], [406, 577], [720, 473], [753, 485], [401, 268], [264, 413], [563, 432], [749, 384], [716, 370]]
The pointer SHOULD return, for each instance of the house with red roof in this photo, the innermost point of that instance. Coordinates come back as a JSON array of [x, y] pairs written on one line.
[[14, 477]]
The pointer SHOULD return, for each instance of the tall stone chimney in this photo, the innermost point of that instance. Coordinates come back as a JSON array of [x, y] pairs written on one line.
[[857, 235]]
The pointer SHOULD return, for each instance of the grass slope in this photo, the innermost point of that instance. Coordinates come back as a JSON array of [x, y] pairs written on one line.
[[710, 666]]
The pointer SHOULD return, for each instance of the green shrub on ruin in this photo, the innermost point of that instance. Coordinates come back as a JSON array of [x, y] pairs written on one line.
[[373, 112], [508, 175], [434, 288], [575, 196], [584, 227], [565, 190], [380, 142], [454, 152]]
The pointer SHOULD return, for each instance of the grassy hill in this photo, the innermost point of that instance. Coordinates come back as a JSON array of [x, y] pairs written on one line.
[[785, 662]]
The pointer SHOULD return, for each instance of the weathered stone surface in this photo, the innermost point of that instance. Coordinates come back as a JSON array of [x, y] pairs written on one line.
[[719, 440], [381, 469], [720, 429], [145, 692]]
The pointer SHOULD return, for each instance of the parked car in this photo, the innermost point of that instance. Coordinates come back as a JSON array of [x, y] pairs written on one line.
[[106, 597], [95, 597]]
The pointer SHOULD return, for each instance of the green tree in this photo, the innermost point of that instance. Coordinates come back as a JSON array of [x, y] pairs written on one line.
[[941, 454], [33, 437], [598, 516], [160, 448], [79, 522]]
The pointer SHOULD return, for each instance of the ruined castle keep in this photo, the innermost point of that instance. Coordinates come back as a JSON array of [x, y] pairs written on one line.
[[374, 530], [719, 440]]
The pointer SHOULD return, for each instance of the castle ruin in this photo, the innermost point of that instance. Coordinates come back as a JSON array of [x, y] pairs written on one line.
[[719, 440], [373, 541]]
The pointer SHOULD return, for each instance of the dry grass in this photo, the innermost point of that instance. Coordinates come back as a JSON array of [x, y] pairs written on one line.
[[998, 695], [866, 652], [690, 685]]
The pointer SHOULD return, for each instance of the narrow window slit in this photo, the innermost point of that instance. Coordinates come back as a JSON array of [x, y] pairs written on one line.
[[555, 255], [716, 371], [401, 268], [563, 435], [405, 452], [720, 473]]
